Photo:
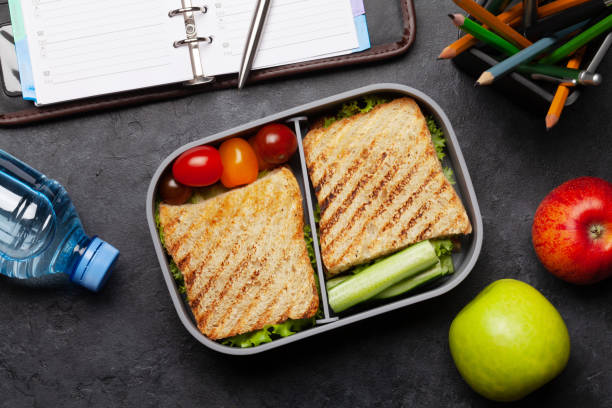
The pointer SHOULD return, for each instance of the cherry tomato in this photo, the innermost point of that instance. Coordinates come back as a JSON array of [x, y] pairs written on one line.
[[276, 143], [239, 163], [198, 167], [173, 192], [263, 165]]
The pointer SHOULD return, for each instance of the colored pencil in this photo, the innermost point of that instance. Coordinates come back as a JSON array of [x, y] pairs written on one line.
[[582, 77], [494, 24], [512, 17], [581, 39], [567, 17], [558, 102], [549, 71], [483, 34], [525, 55]]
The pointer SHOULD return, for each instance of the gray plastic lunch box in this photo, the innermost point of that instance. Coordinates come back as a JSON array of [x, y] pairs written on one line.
[[298, 118]]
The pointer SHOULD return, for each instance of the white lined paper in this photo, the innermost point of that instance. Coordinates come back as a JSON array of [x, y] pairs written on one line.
[[295, 30], [82, 48]]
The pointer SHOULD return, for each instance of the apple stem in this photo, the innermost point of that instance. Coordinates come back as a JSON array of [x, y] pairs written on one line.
[[596, 231]]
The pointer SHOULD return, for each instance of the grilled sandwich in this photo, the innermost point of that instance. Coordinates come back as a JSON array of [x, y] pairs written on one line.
[[243, 256], [379, 185]]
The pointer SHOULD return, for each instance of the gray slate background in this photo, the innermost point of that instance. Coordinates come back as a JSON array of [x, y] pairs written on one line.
[[125, 347]]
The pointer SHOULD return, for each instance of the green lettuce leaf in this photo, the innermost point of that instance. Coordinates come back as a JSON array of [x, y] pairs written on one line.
[[174, 270], [159, 230], [348, 109], [439, 142], [442, 246], [446, 261], [268, 333]]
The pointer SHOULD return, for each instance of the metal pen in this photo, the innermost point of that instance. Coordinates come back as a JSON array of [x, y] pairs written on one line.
[[252, 42], [600, 54]]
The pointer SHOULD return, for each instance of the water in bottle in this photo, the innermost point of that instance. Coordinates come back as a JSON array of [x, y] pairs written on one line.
[[41, 233]]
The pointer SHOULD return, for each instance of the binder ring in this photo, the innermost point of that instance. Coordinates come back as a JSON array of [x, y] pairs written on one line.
[[174, 13], [187, 41]]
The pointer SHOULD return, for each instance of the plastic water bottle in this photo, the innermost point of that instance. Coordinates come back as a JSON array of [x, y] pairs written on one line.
[[40, 231]]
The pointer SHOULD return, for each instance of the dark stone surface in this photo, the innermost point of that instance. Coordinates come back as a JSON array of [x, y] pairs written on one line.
[[125, 347]]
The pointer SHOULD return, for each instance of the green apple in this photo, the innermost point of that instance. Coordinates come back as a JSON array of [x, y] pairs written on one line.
[[509, 341]]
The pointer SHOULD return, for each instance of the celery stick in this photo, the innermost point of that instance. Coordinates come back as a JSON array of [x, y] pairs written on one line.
[[382, 275], [443, 267], [411, 283], [336, 281]]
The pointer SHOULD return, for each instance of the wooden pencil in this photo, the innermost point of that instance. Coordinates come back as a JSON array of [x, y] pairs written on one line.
[[558, 102], [525, 55], [483, 34], [581, 39], [494, 24], [512, 17]]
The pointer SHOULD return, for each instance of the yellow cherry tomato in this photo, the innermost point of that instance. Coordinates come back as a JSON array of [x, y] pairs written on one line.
[[239, 163]]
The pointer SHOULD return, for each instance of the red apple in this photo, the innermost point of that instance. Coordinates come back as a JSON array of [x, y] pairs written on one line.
[[572, 230]]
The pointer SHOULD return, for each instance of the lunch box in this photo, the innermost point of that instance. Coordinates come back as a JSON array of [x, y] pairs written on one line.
[[298, 119]]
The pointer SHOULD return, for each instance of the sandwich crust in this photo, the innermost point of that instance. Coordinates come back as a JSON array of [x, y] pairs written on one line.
[[243, 256], [380, 185]]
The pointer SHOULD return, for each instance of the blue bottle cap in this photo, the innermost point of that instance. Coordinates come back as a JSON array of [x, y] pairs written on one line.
[[95, 265]]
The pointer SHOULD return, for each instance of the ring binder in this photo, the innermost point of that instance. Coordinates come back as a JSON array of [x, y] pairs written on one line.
[[183, 10], [193, 40]]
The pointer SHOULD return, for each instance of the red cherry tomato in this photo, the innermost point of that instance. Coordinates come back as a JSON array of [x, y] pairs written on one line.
[[198, 167], [263, 165], [239, 163], [276, 143]]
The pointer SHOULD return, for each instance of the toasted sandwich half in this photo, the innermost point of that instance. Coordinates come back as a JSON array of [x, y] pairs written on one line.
[[380, 185], [243, 256]]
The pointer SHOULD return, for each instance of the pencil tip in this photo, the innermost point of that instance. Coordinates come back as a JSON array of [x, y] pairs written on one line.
[[485, 79], [452, 17], [447, 53], [551, 121]]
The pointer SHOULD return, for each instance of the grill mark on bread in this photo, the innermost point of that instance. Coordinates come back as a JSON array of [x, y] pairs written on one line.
[[241, 265], [321, 156], [339, 187], [203, 315], [422, 234], [229, 256], [415, 218], [325, 250], [279, 260], [253, 278], [265, 260], [415, 195], [256, 300], [329, 222], [380, 209], [398, 187], [229, 283], [265, 318], [343, 160], [189, 274]]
